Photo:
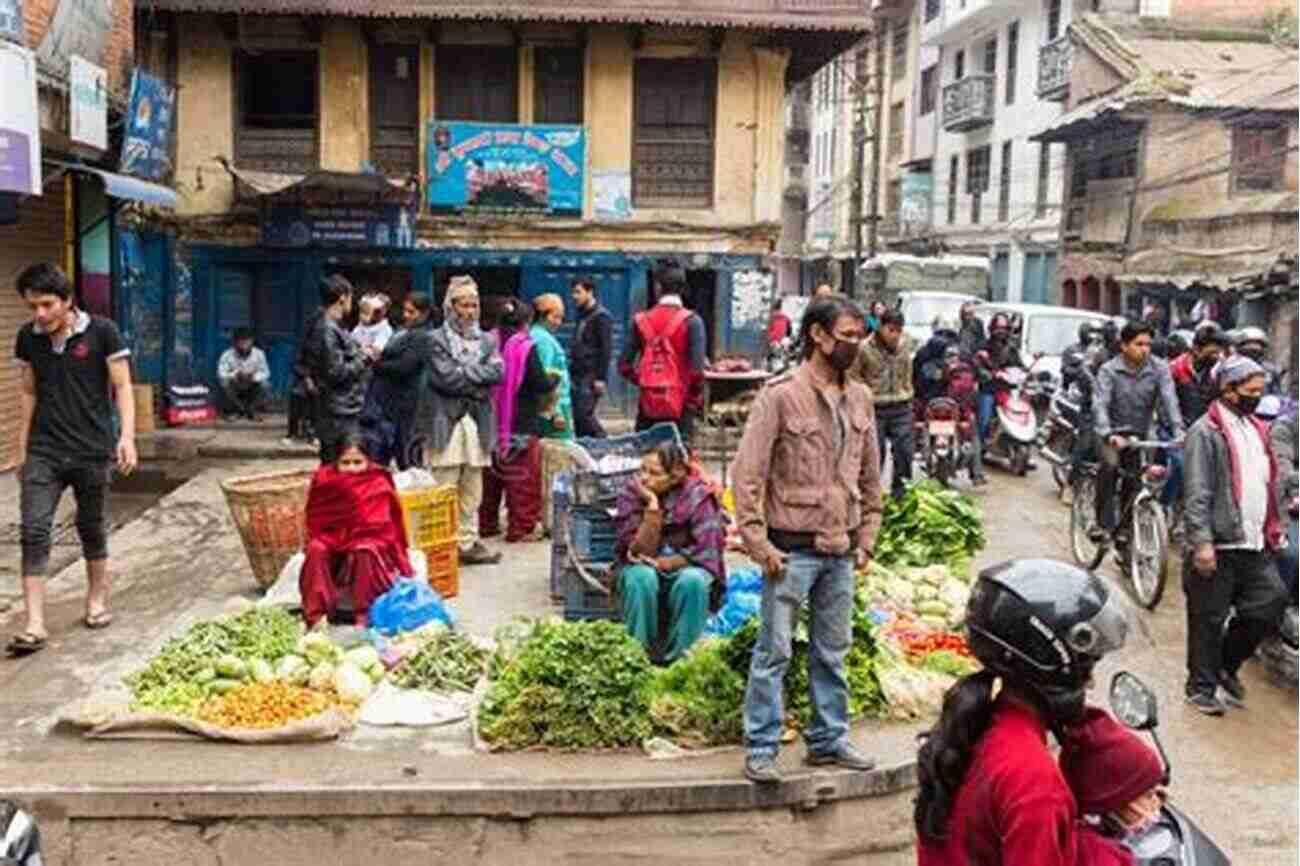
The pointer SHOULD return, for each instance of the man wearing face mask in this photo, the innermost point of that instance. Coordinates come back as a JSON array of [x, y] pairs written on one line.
[[1233, 530], [1253, 343], [884, 365], [1193, 371], [807, 486]]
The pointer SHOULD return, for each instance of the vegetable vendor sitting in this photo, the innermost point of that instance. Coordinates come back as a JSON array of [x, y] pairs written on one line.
[[356, 539], [671, 539]]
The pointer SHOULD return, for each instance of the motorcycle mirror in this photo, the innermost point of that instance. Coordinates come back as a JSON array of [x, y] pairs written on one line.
[[1132, 701]]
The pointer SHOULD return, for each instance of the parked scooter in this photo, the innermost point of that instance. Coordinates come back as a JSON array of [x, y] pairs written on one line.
[[1013, 431], [947, 425], [1172, 839], [1057, 436]]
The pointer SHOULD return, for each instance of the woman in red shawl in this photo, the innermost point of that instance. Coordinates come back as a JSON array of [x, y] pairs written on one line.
[[355, 536]]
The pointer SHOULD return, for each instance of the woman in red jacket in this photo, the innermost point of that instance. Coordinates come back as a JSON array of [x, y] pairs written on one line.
[[991, 792], [356, 540]]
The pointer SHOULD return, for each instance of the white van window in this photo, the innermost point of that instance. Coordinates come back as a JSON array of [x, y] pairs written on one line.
[[921, 310], [1051, 335]]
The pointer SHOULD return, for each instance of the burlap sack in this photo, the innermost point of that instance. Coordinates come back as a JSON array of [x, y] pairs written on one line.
[[100, 722]]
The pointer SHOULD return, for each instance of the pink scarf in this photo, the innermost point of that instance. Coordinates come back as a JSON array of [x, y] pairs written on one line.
[[515, 354]]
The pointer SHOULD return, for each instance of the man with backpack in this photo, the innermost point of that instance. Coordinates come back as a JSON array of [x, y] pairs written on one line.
[[664, 356]]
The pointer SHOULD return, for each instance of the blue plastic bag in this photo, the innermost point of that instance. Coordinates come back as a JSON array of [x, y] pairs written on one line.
[[743, 600], [409, 605]]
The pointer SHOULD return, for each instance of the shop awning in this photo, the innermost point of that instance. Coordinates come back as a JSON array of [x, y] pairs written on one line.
[[125, 186]]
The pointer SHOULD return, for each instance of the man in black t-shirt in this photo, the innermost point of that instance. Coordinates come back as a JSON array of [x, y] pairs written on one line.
[[71, 363]]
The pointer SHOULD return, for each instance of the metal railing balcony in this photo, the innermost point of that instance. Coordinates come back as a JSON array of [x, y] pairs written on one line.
[[1054, 69], [968, 104]]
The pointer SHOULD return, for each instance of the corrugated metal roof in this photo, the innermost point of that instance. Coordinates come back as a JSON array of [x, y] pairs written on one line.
[[845, 15], [1191, 73]]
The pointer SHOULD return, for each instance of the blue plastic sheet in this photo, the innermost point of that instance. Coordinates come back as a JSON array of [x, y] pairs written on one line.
[[409, 605], [743, 600]]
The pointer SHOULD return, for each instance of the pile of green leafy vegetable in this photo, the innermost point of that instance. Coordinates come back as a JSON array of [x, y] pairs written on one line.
[[447, 662], [929, 524], [184, 671], [570, 685], [699, 699]]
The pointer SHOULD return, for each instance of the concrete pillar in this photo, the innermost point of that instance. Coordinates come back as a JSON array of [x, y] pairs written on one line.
[[205, 114], [608, 97], [344, 96], [769, 146]]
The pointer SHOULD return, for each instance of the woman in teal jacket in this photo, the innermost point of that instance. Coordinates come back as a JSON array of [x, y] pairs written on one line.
[[557, 417]]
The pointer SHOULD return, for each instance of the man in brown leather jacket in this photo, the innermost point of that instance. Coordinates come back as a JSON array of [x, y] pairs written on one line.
[[807, 486]]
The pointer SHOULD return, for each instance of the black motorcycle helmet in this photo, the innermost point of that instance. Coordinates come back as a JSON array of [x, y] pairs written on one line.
[[1209, 333], [1086, 330], [1042, 625], [1177, 344]]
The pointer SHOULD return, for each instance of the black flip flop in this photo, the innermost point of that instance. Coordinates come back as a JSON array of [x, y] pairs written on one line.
[[96, 621], [25, 644]]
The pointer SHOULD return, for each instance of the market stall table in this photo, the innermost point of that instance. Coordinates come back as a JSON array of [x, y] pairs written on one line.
[[727, 397]]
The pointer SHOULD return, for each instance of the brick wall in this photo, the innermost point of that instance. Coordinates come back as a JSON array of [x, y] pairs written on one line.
[[119, 56]]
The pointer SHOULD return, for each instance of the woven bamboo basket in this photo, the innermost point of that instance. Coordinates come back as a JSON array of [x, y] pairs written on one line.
[[270, 512]]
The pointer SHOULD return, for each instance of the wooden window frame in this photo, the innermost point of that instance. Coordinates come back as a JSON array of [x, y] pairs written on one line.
[[959, 64], [238, 60], [1004, 183], [374, 114], [1013, 60], [929, 97], [1274, 173], [440, 52], [894, 145], [977, 182], [900, 33], [1053, 11], [580, 50], [954, 167], [651, 203], [1044, 174]]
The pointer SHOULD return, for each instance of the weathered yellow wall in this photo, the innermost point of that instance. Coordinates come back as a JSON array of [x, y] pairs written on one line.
[[344, 96], [750, 119], [204, 116]]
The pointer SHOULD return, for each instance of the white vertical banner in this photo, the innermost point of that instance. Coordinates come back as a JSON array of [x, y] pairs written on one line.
[[20, 124], [89, 90]]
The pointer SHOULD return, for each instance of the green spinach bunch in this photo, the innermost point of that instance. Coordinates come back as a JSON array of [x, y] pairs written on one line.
[[929, 524]]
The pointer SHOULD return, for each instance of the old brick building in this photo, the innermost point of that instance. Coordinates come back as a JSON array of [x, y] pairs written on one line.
[[1181, 176]]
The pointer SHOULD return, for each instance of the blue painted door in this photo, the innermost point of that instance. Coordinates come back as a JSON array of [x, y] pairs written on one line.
[[1000, 278], [613, 291], [234, 309], [279, 318], [1036, 276]]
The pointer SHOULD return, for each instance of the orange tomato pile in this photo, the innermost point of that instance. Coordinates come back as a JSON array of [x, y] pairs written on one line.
[[270, 704]]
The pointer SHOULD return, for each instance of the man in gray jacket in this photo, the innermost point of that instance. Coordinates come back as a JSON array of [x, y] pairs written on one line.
[[1233, 532], [466, 364], [338, 367], [1131, 388]]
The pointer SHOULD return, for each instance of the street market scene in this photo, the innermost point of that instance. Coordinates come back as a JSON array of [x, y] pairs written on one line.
[[556, 433]]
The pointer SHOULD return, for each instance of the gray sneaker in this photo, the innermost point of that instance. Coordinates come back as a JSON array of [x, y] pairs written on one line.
[[1206, 703], [1234, 693], [848, 756], [762, 769]]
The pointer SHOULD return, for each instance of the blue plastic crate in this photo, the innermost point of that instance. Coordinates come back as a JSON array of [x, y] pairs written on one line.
[[582, 602], [593, 534], [596, 489], [631, 444]]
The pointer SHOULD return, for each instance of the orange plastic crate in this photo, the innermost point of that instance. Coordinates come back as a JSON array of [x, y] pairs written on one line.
[[444, 567], [430, 515]]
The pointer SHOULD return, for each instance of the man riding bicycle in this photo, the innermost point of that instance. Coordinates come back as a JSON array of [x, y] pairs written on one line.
[[1132, 387]]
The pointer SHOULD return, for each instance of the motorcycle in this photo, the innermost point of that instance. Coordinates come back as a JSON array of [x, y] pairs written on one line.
[[1058, 434], [1014, 429], [1172, 839], [780, 356], [1039, 389], [947, 424]]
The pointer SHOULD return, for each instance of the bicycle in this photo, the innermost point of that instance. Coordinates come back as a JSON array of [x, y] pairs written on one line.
[[1144, 561]]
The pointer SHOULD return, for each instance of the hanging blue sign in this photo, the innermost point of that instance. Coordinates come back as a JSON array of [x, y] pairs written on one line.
[[147, 146], [377, 225], [11, 21], [506, 168]]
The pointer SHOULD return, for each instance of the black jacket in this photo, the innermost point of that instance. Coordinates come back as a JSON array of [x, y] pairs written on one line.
[[928, 388], [593, 344], [334, 361], [972, 336], [401, 373]]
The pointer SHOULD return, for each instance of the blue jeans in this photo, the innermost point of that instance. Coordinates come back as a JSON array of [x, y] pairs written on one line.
[[985, 407], [827, 583], [1173, 488]]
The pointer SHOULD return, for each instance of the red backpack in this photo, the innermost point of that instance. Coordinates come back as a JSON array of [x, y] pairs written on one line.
[[659, 372]]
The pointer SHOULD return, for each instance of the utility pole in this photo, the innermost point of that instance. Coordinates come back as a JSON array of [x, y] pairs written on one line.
[[878, 98], [860, 90]]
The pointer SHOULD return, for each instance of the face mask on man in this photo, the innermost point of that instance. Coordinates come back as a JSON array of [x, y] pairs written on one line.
[[1247, 403], [843, 355], [1254, 353]]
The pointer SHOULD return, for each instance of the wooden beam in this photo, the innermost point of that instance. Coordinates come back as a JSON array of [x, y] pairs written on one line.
[[638, 37], [716, 37], [229, 27]]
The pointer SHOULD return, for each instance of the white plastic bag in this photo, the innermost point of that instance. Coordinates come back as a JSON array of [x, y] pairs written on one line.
[[419, 564], [413, 479], [285, 592]]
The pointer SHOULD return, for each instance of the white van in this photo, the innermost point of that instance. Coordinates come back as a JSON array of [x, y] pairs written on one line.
[[1047, 331]]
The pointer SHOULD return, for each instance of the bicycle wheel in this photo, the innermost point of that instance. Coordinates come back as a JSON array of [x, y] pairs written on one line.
[[1148, 561], [1083, 517]]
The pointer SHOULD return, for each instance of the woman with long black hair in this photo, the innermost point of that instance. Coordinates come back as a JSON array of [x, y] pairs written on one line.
[[991, 792]]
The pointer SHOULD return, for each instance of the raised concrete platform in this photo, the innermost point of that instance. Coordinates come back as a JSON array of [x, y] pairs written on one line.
[[384, 795]]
